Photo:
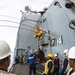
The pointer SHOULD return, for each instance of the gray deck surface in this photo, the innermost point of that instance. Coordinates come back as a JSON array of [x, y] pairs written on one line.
[[24, 69]]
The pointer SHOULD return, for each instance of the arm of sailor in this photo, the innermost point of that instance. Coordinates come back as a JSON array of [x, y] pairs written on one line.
[[64, 66]]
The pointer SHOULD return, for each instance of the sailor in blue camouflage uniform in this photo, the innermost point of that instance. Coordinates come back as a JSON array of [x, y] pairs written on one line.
[[66, 66], [32, 65]]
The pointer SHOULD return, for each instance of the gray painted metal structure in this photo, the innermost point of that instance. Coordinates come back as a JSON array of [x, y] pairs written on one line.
[[57, 22]]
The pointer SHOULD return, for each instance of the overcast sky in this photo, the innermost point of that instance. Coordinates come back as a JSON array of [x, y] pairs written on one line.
[[11, 8]]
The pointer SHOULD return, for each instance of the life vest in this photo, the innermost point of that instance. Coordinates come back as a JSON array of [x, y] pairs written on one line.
[[56, 62], [23, 58], [70, 71], [46, 67]]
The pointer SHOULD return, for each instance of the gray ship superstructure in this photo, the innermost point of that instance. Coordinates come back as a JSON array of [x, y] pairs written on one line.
[[55, 23]]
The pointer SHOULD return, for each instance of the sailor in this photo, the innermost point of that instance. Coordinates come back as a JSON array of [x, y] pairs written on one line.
[[5, 53], [56, 64], [32, 65], [49, 65], [66, 66], [71, 56]]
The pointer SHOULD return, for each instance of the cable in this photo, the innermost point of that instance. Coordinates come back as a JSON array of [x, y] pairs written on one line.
[[29, 23], [17, 23], [9, 16], [8, 26], [10, 21], [12, 17], [16, 27]]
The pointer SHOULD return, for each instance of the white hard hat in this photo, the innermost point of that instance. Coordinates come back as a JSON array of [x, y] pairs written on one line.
[[4, 50], [36, 50], [71, 53], [66, 51], [55, 55]]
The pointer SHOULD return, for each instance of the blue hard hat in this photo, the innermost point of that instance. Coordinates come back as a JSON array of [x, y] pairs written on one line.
[[30, 55]]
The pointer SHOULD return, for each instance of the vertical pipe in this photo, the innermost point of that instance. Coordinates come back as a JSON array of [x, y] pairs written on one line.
[[49, 37]]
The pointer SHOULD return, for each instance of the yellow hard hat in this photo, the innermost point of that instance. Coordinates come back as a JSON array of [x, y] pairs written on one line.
[[50, 55]]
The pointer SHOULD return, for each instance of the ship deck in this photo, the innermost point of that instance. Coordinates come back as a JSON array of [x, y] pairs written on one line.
[[24, 69]]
